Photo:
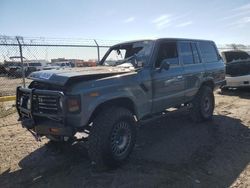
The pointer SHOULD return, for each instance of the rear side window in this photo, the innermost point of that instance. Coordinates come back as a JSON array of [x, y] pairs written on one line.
[[195, 53], [186, 54], [208, 52]]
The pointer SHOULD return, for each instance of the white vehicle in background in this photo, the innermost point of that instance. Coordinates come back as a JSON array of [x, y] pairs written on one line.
[[237, 69], [14, 67], [62, 64], [58, 65], [51, 67], [38, 65]]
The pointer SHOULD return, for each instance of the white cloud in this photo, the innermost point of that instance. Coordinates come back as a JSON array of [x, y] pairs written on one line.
[[241, 22], [163, 21], [160, 18], [130, 19], [243, 7], [166, 20], [184, 24], [238, 17], [236, 13]]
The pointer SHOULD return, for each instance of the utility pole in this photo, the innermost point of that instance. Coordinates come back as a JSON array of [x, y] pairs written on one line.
[[21, 57], [98, 50]]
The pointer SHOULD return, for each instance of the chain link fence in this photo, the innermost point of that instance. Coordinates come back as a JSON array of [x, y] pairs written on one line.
[[19, 56]]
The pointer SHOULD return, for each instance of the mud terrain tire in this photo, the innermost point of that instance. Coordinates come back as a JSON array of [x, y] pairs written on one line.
[[203, 105], [112, 137]]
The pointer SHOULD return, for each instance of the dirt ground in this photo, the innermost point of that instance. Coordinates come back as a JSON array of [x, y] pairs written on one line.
[[170, 152]]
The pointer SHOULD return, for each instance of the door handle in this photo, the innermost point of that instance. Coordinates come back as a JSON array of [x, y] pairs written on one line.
[[179, 77]]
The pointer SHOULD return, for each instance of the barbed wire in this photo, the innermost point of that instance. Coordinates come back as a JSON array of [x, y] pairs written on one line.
[[11, 40], [82, 42]]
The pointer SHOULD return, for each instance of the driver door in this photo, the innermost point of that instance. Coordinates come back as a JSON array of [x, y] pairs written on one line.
[[168, 85]]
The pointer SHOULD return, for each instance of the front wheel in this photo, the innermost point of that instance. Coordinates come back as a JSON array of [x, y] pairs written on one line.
[[203, 105], [112, 137]]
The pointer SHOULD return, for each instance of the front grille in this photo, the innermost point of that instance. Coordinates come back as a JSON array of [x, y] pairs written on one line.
[[35, 103], [47, 104]]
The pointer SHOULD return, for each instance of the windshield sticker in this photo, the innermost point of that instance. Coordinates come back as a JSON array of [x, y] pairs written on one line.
[[45, 75]]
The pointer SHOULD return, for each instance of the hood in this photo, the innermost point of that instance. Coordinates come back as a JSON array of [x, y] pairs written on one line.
[[64, 76]]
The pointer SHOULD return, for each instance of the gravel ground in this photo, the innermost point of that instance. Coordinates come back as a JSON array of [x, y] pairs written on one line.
[[170, 152]]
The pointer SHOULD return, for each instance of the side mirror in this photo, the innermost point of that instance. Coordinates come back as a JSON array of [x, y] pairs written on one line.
[[137, 63], [164, 65]]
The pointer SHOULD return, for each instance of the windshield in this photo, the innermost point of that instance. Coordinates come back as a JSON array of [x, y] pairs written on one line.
[[235, 56], [129, 54]]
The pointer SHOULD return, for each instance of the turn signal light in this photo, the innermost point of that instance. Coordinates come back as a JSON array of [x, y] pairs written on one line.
[[74, 104], [54, 130]]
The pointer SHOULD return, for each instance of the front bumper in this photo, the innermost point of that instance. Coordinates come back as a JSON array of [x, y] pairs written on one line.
[[39, 118]]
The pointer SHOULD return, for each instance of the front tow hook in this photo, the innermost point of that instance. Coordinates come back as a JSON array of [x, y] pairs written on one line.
[[35, 135]]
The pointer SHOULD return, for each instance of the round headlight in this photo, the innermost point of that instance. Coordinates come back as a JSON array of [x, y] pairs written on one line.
[[21, 101], [61, 103], [28, 104]]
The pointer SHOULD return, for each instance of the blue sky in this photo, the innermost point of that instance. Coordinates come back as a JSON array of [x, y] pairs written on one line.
[[224, 21]]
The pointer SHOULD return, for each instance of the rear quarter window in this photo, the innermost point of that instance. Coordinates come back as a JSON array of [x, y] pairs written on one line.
[[208, 52]]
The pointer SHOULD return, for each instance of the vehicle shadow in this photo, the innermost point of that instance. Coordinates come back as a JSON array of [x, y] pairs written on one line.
[[241, 92], [170, 152]]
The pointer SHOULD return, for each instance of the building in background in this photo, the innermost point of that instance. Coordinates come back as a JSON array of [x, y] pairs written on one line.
[[74, 62]]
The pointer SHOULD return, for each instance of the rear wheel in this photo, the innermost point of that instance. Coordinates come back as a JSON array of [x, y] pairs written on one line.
[[203, 105], [112, 137]]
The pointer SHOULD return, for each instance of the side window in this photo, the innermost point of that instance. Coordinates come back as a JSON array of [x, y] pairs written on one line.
[[186, 54], [208, 52], [195, 53], [167, 51]]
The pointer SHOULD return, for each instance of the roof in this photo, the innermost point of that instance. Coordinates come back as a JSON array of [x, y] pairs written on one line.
[[159, 39], [230, 51]]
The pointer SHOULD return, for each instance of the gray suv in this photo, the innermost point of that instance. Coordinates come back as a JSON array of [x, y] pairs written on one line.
[[134, 81]]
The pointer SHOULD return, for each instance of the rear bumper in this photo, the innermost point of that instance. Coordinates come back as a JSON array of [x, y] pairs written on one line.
[[238, 81]]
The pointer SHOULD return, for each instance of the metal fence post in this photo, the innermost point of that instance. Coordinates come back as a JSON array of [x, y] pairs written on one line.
[[21, 57], [98, 50]]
